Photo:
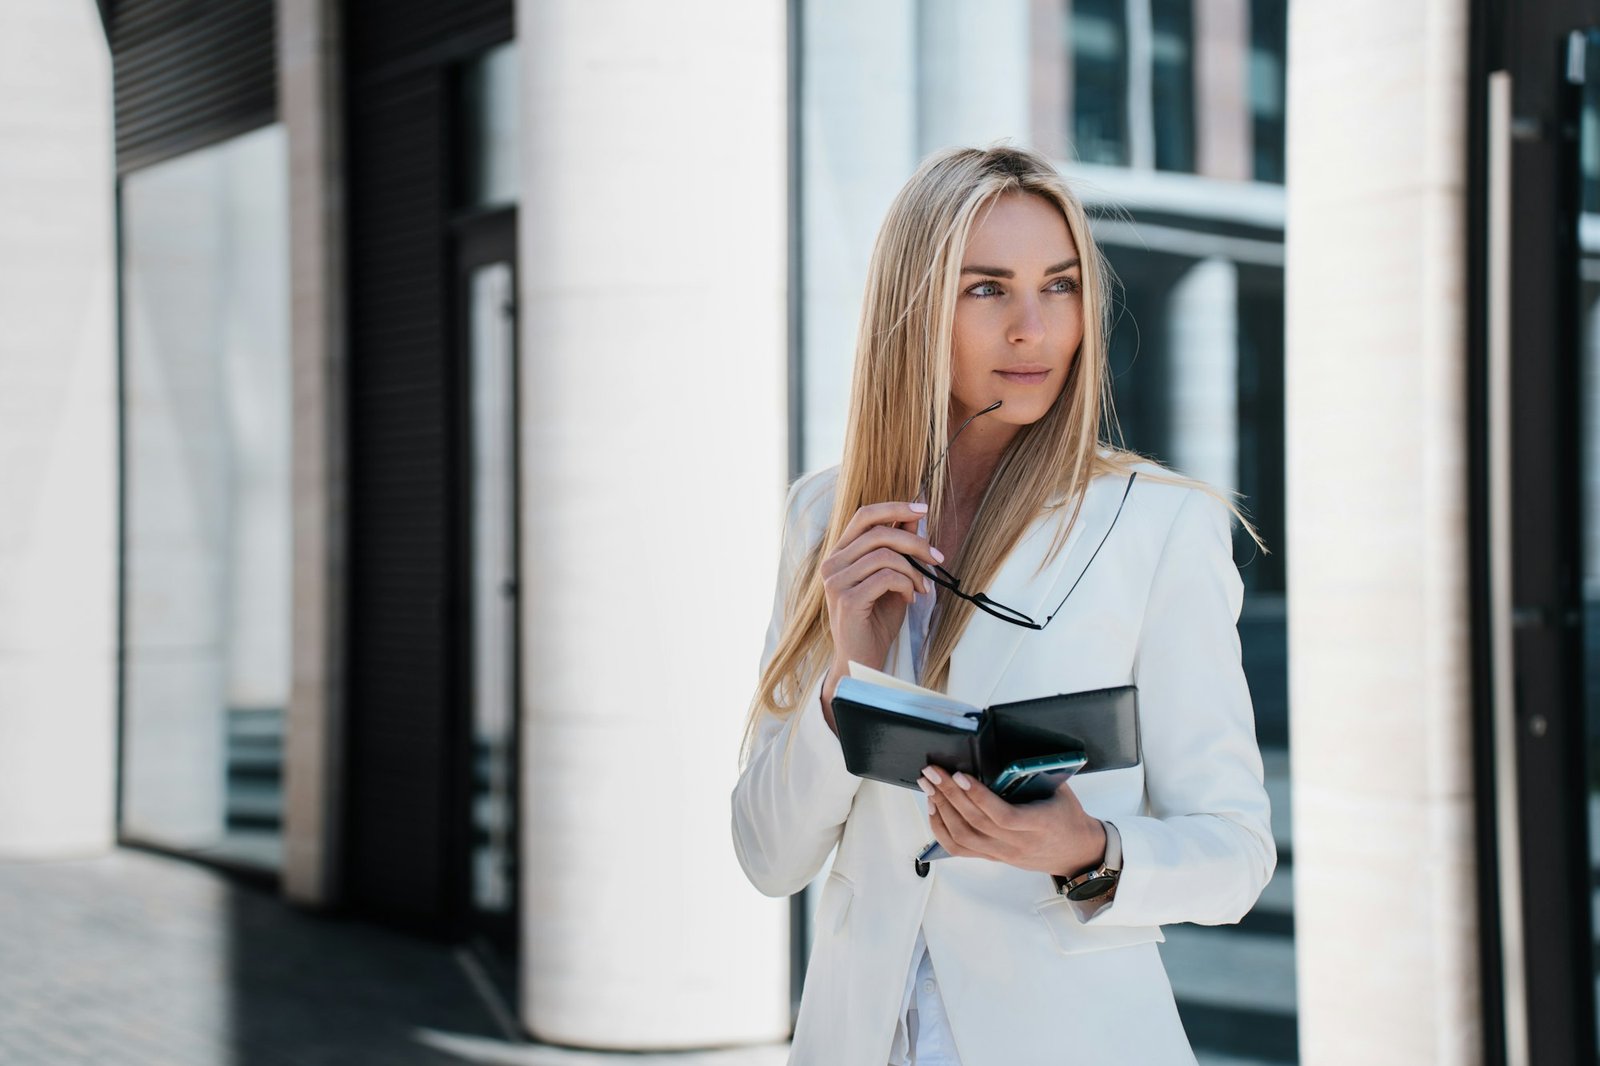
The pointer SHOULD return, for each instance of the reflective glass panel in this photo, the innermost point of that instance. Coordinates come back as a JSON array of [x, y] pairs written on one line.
[[1268, 71], [207, 518], [1099, 43], [489, 88], [1172, 82], [1589, 456], [493, 594]]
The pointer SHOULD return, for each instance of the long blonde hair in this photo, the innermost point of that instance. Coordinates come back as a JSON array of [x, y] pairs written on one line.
[[900, 407]]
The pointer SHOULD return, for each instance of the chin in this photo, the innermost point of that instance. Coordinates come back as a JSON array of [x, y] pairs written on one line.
[[1026, 417], [1025, 411]]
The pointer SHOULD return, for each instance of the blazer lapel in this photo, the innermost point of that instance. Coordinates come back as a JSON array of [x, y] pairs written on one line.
[[987, 646]]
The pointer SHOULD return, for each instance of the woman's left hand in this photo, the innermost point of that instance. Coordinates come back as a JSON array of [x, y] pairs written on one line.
[[1053, 836]]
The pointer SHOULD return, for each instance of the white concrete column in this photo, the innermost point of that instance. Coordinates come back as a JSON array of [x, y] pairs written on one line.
[[1203, 339], [972, 63], [309, 103], [858, 114], [1377, 526], [653, 255], [57, 433]]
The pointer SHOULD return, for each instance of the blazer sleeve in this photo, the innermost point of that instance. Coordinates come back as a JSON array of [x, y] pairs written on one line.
[[794, 794], [1204, 851]]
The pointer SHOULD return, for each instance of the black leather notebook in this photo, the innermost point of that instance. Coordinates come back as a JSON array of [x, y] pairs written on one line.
[[889, 733]]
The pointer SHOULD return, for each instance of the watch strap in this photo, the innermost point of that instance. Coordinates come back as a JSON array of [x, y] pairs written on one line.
[[1098, 880], [1113, 858]]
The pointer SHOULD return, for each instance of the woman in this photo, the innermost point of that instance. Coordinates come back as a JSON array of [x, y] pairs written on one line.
[[986, 310]]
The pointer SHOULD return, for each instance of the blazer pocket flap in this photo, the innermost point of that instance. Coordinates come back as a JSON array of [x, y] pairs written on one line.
[[1071, 936], [834, 906]]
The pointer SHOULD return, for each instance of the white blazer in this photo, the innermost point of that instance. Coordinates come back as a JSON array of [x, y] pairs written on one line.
[[1028, 977]]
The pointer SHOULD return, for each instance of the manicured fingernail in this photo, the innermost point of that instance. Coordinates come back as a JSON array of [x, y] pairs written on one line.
[[920, 508], [961, 780], [937, 554], [931, 774], [927, 586], [924, 786]]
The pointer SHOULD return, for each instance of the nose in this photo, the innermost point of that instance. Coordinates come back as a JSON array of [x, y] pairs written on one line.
[[1027, 322]]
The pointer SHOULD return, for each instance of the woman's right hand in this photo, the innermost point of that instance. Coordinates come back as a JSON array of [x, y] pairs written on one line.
[[869, 584]]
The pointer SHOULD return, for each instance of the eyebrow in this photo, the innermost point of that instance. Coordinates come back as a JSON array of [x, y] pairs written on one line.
[[1001, 272]]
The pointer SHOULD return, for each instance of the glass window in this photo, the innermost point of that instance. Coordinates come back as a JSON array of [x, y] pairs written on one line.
[[1268, 50], [1589, 149], [491, 338], [489, 90], [1100, 81], [1172, 82], [1261, 460], [206, 528], [1176, 363]]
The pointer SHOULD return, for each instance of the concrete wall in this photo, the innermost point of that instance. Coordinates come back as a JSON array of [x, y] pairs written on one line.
[[57, 433], [1377, 525], [654, 430]]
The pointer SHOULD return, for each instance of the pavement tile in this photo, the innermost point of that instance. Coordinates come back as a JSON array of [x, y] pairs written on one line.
[[136, 959]]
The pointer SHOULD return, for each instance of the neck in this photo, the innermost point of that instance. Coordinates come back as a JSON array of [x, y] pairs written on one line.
[[974, 455]]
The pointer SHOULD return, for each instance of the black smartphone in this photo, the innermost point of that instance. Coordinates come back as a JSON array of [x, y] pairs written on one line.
[[1027, 780]]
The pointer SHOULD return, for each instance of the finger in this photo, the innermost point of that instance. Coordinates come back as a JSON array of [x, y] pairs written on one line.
[[940, 833], [864, 596], [881, 559], [965, 838], [877, 514], [978, 807], [880, 537], [948, 835]]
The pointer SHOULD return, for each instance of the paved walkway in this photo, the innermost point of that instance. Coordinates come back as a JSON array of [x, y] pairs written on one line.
[[139, 959], [145, 960]]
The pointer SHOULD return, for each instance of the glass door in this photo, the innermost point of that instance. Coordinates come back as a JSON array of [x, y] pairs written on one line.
[[1536, 536], [484, 230], [1588, 450], [487, 287]]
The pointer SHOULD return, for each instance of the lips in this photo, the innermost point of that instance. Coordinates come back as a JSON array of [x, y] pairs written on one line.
[[1025, 374]]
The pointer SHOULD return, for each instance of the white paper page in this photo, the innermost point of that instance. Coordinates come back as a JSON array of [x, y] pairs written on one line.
[[878, 677]]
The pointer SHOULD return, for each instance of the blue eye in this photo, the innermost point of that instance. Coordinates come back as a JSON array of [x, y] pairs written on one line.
[[1069, 283], [984, 285]]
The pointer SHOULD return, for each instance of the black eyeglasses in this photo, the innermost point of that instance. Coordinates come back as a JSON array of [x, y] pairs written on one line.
[[945, 579]]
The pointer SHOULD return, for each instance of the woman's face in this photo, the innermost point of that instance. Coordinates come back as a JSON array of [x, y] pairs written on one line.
[[1019, 312]]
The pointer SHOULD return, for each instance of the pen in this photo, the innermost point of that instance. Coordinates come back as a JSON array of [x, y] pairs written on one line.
[[934, 850]]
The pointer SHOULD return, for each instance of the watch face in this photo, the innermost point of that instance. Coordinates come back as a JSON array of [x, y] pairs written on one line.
[[1091, 889]]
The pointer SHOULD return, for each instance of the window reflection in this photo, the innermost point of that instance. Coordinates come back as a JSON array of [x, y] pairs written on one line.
[[1172, 82], [1268, 51], [1589, 455], [1099, 43], [489, 87], [206, 521]]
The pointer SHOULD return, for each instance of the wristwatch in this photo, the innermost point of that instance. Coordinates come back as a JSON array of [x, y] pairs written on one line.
[[1095, 882]]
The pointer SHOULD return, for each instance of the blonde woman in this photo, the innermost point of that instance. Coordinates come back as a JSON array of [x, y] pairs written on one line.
[[952, 547]]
